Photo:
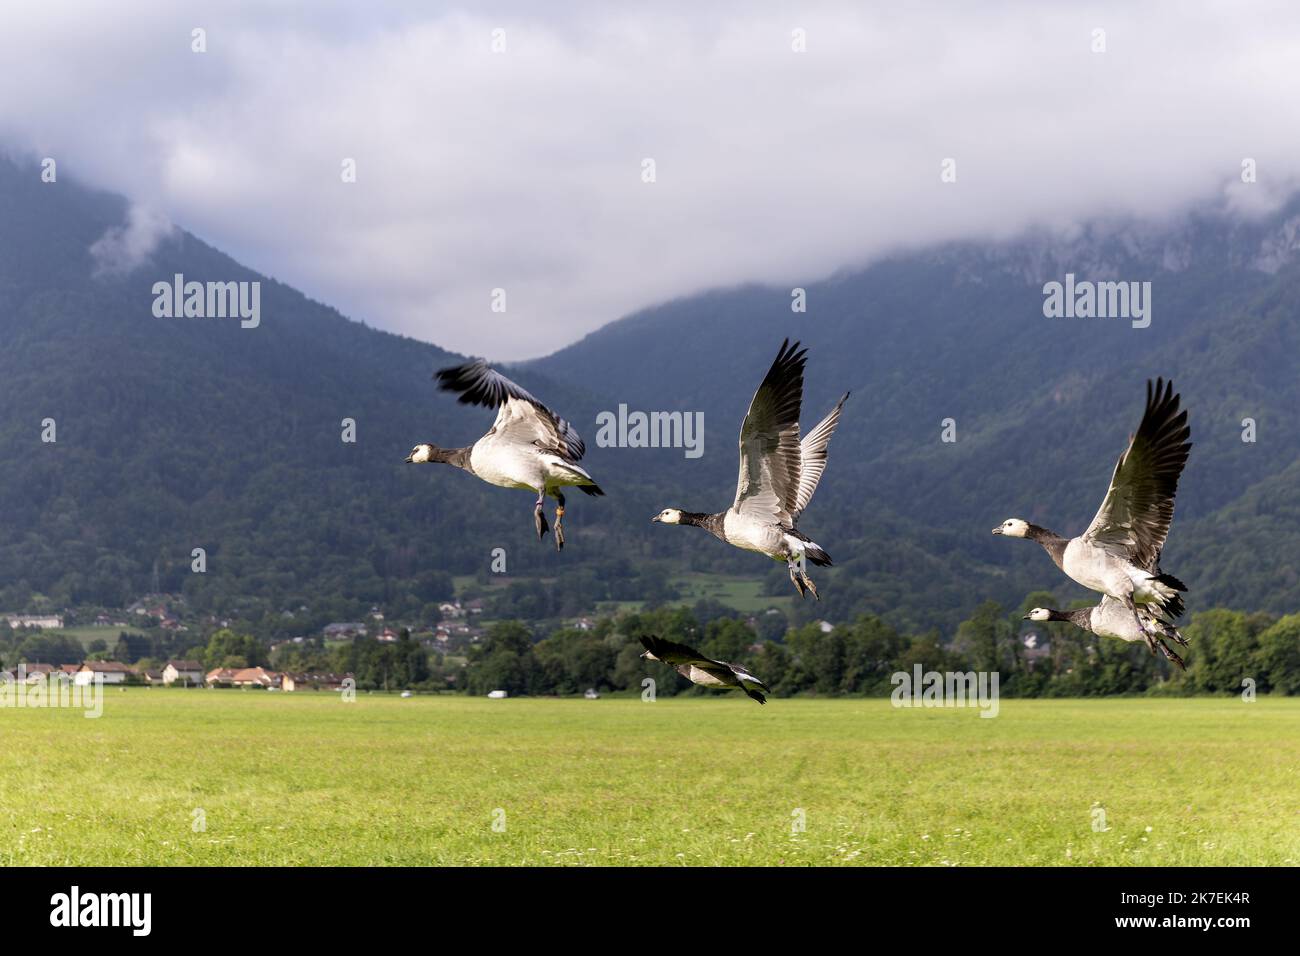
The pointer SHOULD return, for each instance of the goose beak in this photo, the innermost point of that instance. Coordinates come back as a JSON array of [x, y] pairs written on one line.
[[1025, 618], [655, 518], [408, 458], [997, 530]]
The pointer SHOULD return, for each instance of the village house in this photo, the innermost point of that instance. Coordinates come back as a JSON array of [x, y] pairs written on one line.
[[296, 682], [254, 677], [188, 673], [40, 672], [344, 629], [32, 673], [112, 672], [218, 677]]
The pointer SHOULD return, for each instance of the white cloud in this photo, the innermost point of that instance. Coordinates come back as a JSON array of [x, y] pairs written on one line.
[[522, 170], [124, 248]]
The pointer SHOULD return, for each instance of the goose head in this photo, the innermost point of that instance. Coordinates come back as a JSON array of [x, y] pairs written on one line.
[[1013, 528], [1038, 614], [668, 516], [420, 454]]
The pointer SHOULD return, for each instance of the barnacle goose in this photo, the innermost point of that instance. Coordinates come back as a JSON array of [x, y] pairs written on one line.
[[705, 671], [1119, 554], [778, 474], [528, 446], [1111, 618]]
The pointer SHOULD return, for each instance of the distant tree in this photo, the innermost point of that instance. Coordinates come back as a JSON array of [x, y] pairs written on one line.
[[1278, 656]]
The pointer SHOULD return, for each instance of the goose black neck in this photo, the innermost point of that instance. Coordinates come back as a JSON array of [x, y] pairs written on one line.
[[697, 518], [1041, 535], [1052, 543], [451, 456]]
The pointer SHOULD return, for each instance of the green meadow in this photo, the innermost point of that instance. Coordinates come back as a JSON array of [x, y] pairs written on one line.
[[175, 777]]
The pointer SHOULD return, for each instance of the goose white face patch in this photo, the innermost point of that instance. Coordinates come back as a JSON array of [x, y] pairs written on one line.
[[1013, 528], [1039, 614], [421, 454], [669, 516]]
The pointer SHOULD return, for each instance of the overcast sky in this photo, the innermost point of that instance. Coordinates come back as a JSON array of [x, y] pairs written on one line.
[[523, 169]]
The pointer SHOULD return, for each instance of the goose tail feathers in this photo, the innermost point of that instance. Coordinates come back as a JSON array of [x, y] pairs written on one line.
[[817, 556]]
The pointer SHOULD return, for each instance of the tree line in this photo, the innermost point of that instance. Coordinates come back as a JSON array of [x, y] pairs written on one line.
[[1230, 652]]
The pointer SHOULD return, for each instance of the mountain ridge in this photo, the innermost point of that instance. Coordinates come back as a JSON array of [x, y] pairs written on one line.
[[178, 433]]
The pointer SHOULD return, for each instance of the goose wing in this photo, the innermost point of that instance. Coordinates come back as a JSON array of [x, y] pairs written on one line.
[[745, 674], [812, 458], [519, 413], [670, 652], [769, 440], [1134, 518]]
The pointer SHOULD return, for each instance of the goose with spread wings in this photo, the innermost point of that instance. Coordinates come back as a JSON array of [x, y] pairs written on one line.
[[1119, 554], [528, 446], [778, 474], [705, 671], [1112, 619]]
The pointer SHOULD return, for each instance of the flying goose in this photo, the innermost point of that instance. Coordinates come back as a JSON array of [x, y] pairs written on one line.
[[778, 474], [706, 672], [1119, 554], [528, 446], [1111, 618]]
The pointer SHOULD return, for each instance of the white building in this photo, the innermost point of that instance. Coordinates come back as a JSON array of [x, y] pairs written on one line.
[[46, 622]]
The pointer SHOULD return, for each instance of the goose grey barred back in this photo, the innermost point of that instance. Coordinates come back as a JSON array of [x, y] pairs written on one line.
[[705, 671], [778, 474], [1119, 553], [528, 446], [1112, 619]]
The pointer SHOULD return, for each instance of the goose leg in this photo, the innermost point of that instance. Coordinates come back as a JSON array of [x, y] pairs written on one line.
[[811, 587], [1171, 655], [1151, 641], [559, 517], [539, 517], [794, 579]]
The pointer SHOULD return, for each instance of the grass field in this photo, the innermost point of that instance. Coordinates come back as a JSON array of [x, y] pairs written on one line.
[[307, 778], [745, 594], [91, 632]]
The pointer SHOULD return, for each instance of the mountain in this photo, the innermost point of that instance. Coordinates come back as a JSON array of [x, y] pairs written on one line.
[[1042, 406], [177, 433]]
